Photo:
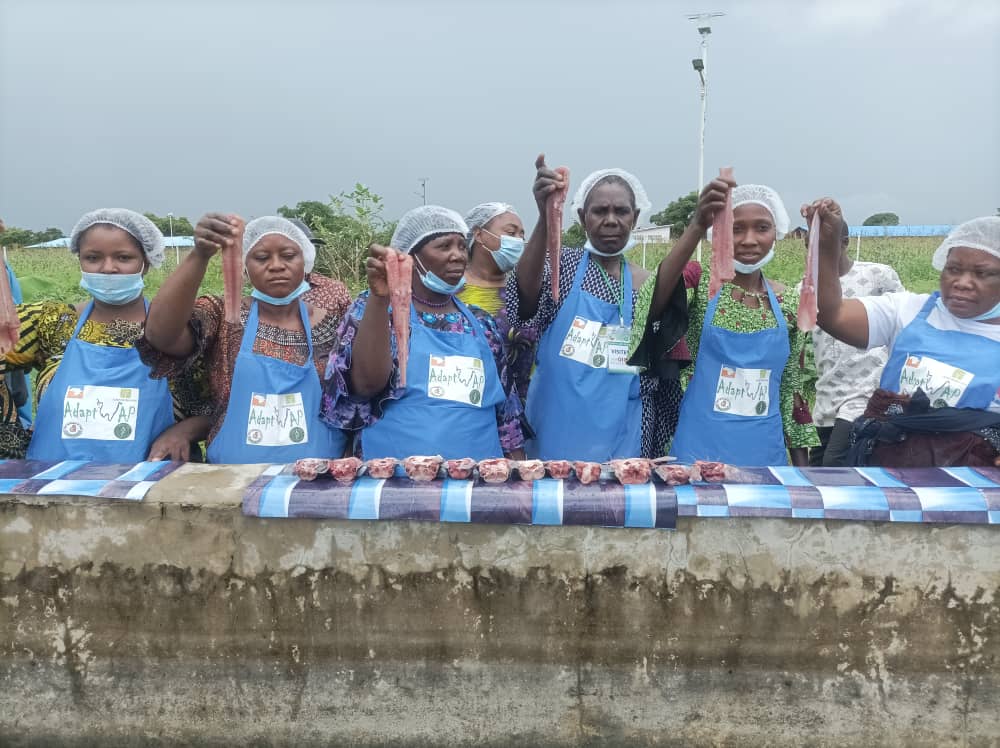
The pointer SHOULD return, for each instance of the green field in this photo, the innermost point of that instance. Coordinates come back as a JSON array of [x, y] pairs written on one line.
[[55, 273]]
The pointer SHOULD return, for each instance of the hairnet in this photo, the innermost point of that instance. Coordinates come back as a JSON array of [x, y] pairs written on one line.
[[979, 233], [642, 204], [258, 228], [482, 214], [423, 222], [138, 226], [760, 194]]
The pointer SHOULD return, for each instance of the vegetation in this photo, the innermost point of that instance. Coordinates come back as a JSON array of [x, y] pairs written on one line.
[[678, 214], [882, 219]]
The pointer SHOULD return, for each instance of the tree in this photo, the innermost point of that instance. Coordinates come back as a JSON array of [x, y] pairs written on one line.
[[677, 214], [345, 227], [181, 226], [15, 237], [574, 236], [882, 219]]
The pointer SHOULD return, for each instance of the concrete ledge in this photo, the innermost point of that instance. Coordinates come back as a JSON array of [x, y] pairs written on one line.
[[178, 619]]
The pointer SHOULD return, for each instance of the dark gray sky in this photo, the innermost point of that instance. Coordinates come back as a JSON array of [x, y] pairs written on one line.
[[244, 106]]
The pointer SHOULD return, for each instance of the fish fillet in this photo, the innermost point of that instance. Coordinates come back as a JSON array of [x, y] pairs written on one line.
[[808, 301], [723, 270], [553, 228], [399, 273], [10, 324], [232, 275]]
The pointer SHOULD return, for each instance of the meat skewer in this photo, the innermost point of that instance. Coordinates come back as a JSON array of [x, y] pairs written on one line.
[[553, 228], [723, 270], [808, 301], [232, 275], [10, 324], [399, 274]]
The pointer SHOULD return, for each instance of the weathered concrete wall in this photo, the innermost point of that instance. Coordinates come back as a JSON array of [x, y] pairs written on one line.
[[179, 620]]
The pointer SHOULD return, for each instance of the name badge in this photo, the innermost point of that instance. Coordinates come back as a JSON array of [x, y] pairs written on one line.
[[461, 379], [586, 343], [618, 344], [743, 392], [105, 413], [276, 420], [943, 383]]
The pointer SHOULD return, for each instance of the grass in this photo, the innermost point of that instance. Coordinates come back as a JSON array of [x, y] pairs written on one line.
[[909, 256], [55, 273]]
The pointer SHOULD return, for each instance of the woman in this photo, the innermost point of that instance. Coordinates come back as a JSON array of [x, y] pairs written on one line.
[[264, 372], [496, 243], [95, 398], [585, 402], [475, 413], [743, 394], [939, 402]]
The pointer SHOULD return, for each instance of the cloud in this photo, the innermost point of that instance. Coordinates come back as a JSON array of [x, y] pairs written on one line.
[[871, 16]]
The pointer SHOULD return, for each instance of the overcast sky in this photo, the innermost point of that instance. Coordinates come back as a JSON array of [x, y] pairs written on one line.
[[186, 107]]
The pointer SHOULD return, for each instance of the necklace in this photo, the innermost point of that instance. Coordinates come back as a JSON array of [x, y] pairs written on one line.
[[433, 304]]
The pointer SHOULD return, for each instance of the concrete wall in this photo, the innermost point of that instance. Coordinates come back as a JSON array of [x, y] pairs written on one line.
[[177, 619]]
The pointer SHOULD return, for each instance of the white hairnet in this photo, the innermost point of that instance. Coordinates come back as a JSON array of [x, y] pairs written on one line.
[[258, 228], [427, 220], [137, 225], [979, 233], [482, 214], [763, 195], [642, 204]]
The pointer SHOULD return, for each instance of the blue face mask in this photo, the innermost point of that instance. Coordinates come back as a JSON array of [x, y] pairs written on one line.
[[991, 314], [511, 249], [283, 300], [629, 243], [433, 283], [747, 269], [113, 288]]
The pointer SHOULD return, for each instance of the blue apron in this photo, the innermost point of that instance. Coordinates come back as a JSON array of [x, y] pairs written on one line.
[[418, 424], [105, 391], [273, 411], [721, 417], [579, 411], [974, 354]]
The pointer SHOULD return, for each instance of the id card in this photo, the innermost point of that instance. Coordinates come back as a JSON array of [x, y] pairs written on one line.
[[276, 420], [586, 343], [460, 379], [943, 384], [619, 338], [104, 413], [743, 392]]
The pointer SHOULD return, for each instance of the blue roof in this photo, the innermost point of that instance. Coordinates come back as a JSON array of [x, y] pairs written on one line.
[[63, 242]]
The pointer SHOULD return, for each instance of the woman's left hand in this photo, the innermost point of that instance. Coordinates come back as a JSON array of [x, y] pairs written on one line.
[[831, 218]]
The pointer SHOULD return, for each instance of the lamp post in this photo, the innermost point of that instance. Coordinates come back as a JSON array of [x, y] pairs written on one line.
[[700, 66], [423, 189], [177, 251]]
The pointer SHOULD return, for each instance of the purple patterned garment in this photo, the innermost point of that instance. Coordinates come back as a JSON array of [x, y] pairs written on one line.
[[340, 409]]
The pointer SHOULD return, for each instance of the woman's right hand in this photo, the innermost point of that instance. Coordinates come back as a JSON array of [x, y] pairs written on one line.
[[378, 281], [547, 181], [831, 217], [711, 201], [215, 231]]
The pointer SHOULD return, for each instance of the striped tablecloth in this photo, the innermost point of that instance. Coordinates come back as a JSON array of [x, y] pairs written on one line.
[[79, 478], [949, 495]]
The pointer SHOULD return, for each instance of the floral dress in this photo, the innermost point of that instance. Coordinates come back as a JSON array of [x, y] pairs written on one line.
[[341, 409]]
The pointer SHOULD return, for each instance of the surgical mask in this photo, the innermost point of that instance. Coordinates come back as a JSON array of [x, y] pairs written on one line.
[[113, 288], [629, 243], [510, 251], [433, 283], [991, 314], [747, 269], [283, 300]]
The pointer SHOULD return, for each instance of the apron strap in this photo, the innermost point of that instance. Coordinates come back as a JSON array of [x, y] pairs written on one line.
[[928, 306]]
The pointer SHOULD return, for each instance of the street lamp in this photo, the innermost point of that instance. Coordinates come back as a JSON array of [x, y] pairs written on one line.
[[423, 189], [700, 66], [177, 250]]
